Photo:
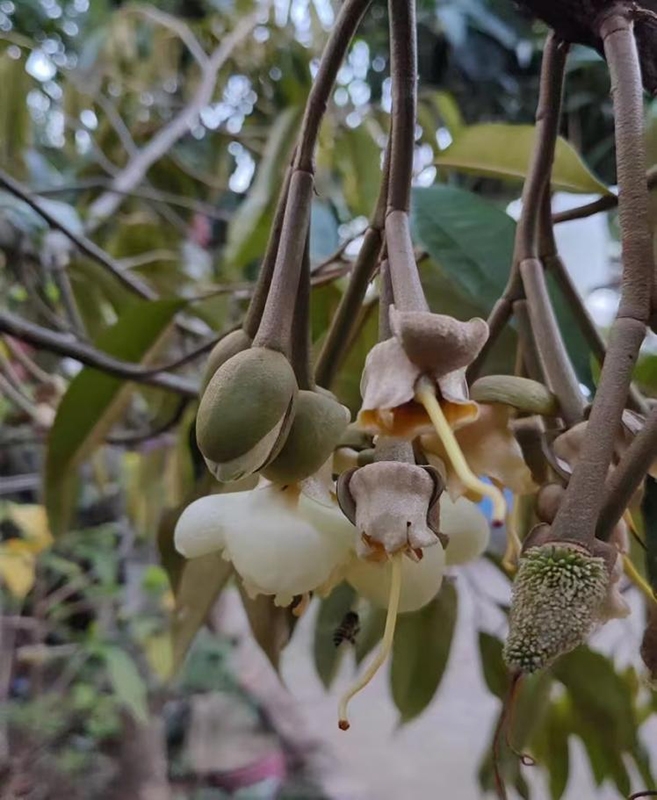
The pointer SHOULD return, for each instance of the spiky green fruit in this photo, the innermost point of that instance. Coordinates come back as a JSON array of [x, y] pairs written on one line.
[[558, 595]]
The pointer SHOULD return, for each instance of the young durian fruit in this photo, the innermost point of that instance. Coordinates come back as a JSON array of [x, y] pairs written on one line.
[[246, 412], [559, 598]]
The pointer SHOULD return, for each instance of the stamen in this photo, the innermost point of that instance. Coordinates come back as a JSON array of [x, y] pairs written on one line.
[[513, 543], [637, 579], [426, 395], [386, 644]]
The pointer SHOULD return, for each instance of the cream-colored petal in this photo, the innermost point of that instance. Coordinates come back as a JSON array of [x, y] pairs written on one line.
[[467, 528], [421, 580], [201, 527], [388, 377]]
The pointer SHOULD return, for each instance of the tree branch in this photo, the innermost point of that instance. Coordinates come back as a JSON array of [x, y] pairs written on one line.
[[579, 512], [63, 345], [134, 172]]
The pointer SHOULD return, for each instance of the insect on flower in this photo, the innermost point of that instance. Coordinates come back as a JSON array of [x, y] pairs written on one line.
[[347, 630]]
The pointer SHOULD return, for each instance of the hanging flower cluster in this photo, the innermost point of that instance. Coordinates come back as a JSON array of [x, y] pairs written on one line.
[[391, 516]]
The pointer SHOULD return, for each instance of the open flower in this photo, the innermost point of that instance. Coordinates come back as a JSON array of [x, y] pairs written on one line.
[[423, 344], [395, 506], [280, 542]]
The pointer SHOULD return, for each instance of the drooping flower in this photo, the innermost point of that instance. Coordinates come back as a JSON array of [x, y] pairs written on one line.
[[280, 542], [423, 344], [414, 383]]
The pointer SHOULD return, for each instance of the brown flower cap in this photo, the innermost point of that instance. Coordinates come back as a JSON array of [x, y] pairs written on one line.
[[394, 506], [433, 345]]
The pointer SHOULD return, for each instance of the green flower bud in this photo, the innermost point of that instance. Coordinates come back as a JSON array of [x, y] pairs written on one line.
[[521, 393], [319, 422], [246, 412], [558, 595], [227, 347]]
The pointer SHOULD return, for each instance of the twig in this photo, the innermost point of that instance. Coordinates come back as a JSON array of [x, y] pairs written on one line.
[[553, 264], [337, 338], [606, 203], [547, 128], [628, 476], [145, 193], [578, 514], [174, 24], [275, 328], [133, 173], [80, 351]]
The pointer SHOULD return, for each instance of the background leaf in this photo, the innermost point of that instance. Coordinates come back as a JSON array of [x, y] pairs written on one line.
[[200, 583], [127, 683], [498, 150], [331, 613], [423, 640], [270, 624], [93, 402]]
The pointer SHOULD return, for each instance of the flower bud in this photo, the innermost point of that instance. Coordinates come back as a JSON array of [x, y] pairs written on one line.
[[246, 412], [319, 422], [227, 347], [558, 597], [521, 393]]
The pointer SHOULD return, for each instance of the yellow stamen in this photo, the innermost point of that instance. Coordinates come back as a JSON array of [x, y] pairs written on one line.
[[637, 579], [426, 395], [386, 644], [513, 543]]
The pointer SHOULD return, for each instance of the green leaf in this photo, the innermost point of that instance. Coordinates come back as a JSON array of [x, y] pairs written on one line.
[[199, 585], [126, 681], [249, 228], [270, 624], [500, 150], [551, 749], [331, 613], [93, 402], [496, 675], [359, 160], [372, 624], [423, 640]]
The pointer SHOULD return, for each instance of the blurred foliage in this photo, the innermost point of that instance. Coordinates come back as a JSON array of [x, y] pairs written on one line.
[[87, 86]]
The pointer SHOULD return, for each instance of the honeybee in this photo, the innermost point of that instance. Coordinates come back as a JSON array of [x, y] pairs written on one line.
[[347, 630]]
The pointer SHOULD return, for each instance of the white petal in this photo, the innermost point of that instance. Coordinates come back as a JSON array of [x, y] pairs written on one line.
[[200, 528], [421, 580], [467, 528], [279, 552]]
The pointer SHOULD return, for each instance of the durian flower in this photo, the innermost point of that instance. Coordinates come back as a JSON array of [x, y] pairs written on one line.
[[404, 529], [280, 542], [414, 383], [423, 344]]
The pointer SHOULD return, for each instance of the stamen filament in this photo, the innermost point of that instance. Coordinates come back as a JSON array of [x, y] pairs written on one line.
[[634, 576], [513, 543], [386, 644], [426, 395]]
